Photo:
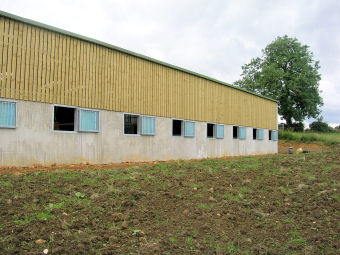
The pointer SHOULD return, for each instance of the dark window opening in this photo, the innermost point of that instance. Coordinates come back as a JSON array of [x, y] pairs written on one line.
[[210, 130], [64, 118], [254, 133], [131, 124], [235, 132], [176, 127], [270, 135]]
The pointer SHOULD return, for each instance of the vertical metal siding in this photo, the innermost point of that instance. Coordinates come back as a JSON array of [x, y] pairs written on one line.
[[45, 66]]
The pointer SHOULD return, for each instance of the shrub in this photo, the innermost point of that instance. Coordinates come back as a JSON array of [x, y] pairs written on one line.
[[320, 126]]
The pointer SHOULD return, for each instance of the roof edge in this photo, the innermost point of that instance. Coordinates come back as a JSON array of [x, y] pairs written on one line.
[[110, 46]]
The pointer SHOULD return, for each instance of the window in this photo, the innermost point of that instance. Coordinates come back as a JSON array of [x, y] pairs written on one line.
[[242, 133], [254, 133], [239, 132], [131, 124], [189, 128], [210, 130], [275, 135], [220, 131], [260, 134], [88, 120], [64, 118], [215, 131], [269, 135], [183, 128], [8, 112], [177, 127], [148, 125], [235, 132]]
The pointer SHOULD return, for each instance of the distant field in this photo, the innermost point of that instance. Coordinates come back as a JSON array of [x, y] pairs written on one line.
[[278, 204], [325, 138]]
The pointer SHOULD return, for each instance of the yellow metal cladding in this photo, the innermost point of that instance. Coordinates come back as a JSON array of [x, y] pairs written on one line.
[[40, 65]]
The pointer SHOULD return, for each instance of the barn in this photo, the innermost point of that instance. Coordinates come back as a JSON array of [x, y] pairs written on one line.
[[66, 98]]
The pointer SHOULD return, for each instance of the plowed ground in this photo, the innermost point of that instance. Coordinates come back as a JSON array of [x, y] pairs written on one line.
[[281, 204]]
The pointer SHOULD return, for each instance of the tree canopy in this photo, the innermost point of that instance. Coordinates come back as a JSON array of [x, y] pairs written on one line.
[[287, 73]]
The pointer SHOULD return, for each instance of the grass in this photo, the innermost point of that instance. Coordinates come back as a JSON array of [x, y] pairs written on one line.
[[324, 138]]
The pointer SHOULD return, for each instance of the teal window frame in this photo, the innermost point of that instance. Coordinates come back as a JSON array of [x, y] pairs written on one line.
[[242, 133], [11, 115], [81, 128], [259, 134], [275, 135], [219, 131], [145, 125], [189, 124]]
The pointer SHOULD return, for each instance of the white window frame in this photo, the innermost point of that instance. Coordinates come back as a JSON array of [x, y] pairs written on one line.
[[138, 124], [78, 120], [270, 137], [75, 120], [172, 128], [214, 130], [16, 113]]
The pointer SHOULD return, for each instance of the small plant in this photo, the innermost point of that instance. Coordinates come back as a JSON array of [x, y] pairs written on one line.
[[79, 195], [172, 239], [44, 216]]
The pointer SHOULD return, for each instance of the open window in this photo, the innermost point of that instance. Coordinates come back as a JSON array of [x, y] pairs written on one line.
[[210, 130], [270, 135], [235, 132], [64, 118], [131, 125], [254, 133], [177, 127], [8, 112]]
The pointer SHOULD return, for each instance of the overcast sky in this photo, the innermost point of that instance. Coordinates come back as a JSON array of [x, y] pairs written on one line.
[[211, 37]]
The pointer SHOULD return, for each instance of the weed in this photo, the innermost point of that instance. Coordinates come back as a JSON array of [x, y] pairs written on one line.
[[172, 239], [44, 216], [6, 184], [231, 197]]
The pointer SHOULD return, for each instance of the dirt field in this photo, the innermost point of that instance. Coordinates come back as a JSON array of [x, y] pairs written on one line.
[[281, 204]]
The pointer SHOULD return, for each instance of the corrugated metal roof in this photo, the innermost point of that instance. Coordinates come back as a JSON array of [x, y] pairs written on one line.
[[64, 32]]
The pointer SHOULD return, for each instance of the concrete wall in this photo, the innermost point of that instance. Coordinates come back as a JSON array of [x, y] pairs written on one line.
[[34, 141]]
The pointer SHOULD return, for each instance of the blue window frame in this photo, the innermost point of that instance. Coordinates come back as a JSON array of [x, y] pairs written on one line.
[[260, 134], [88, 121], [275, 135], [148, 125], [7, 114], [242, 133], [220, 131], [189, 128]]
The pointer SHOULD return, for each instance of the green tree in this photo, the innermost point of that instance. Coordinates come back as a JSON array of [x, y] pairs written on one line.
[[287, 73], [320, 126]]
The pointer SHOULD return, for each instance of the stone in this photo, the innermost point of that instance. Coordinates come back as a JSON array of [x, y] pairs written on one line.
[[186, 212], [125, 225], [117, 216], [302, 186], [260, 214], [40, 241], [113, 239]]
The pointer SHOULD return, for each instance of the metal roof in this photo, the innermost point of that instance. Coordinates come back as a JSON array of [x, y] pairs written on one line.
[[84, 38]]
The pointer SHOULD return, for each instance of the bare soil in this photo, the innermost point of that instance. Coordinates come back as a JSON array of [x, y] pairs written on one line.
[[278, 204]]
